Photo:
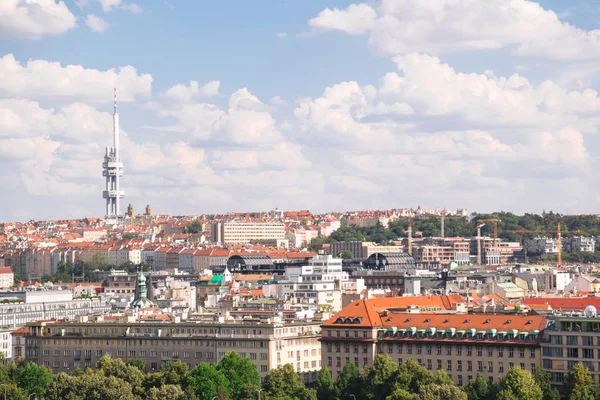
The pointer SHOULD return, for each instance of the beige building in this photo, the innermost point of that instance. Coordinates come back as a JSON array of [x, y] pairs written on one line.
[[236, 232], [268, 344], [7, 278], [569, 341], [463, 345]]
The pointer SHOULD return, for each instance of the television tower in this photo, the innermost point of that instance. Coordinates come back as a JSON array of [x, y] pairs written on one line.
[[113, 171]]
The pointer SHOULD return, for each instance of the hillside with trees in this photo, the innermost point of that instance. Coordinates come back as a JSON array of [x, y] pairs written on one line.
[[430, 226]]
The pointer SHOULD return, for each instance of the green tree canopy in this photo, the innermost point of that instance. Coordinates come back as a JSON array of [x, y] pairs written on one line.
[[578, 379], [326, 389], [240, 372], [518, 384]]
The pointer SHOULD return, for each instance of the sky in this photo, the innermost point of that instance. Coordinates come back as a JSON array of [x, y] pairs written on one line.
[[324, 105]]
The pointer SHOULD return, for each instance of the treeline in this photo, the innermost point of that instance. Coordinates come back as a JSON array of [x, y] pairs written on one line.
[[237, 378], [430, 226], [387, 380]]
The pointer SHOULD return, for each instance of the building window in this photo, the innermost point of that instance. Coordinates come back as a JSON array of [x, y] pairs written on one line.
[[329, 361], [449, 365], [438, 349], [459, 365], [469, 351], [399, 348], [460, 380], [511, 352], [501, 367], [469, 365], [479, 351], [490, 352], [490, 366], [532, 368], [500, 352], [459, 350], [439, 364], [480, 366], [572, 352], [449, 350], [429, 364], [419, 348], [588, 340], [531, 353], [572, 341], [408, 348]]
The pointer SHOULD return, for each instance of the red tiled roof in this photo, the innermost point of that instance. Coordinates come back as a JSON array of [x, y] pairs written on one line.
[[563, 303]]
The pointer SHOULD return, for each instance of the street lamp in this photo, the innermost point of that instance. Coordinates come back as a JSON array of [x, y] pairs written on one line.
[[258, 391], [4, 390], [32, 394], [353, 396]]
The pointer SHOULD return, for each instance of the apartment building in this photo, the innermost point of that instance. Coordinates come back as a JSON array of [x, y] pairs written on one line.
[[463, 345], [579, 243], [268, 343], [238, 232], [7, 278], [569, 341]]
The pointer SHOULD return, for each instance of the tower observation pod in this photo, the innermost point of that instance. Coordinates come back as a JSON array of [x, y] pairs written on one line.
[[113, 171]]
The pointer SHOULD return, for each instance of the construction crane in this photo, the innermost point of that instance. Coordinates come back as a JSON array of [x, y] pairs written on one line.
[[495, 222], [558, 237]]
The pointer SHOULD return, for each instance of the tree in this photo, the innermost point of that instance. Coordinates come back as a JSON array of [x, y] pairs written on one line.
[[349, 382], [138, 363], [518, 384], [478, 389], [240, 372], [117, 368], [128, 236], [346, 255], [412, 376], [207, 382], [166, 392], [441, 378], [284, 383], [194, 227], [382, 376], [91, 385], [34, 379], [578, 379], [441, 392], [542, 378], [174, 373], [326, 389]]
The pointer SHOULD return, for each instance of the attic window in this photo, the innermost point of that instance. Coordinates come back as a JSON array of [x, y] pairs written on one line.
[[339, 321], [507, 322], [427, 320], [528, 322], [389, 319], [487, 321], [446, 321], [407, 320], [467, 321]]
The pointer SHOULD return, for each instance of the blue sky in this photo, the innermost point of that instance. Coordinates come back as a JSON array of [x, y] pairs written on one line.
[[328, 105]]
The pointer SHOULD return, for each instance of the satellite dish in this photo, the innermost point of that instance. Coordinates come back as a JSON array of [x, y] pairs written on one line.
[[590, 311]]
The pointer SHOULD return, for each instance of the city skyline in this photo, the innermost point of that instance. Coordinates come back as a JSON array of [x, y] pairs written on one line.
[[328, 106]]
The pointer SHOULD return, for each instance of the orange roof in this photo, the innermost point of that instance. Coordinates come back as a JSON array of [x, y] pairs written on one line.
[[369, 310], [5, 270], [563, 303]]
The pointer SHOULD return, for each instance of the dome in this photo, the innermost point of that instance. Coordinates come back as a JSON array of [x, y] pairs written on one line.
[[590, 311]]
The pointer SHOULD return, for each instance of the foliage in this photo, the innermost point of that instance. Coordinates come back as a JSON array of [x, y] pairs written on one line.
[[138, 363], [194, 227], [283, 383], [518, 384], [578, 381], [207, 382], [34, 379], [430, 225], [349, 382], [128, 236], [346, 255], [326, 389], [542, 378], [240, 372], [446, 391]]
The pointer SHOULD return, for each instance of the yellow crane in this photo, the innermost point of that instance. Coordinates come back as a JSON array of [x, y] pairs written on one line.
[[558, 232]]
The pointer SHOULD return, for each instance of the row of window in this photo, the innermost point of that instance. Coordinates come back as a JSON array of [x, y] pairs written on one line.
[[428, 349]]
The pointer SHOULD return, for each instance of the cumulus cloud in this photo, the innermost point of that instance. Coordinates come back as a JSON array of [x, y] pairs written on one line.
[[96, 24], [41, 79], [187, 93], [446, 26], [34, 19]]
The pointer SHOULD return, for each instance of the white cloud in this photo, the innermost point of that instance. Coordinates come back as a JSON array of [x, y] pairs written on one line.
[[96, 24], [281, 35], [110, 5], [41, 79], [34, 19], [186, 93], [445, 26]]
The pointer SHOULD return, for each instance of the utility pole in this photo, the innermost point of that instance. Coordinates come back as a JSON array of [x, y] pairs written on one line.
[[479, 243]]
